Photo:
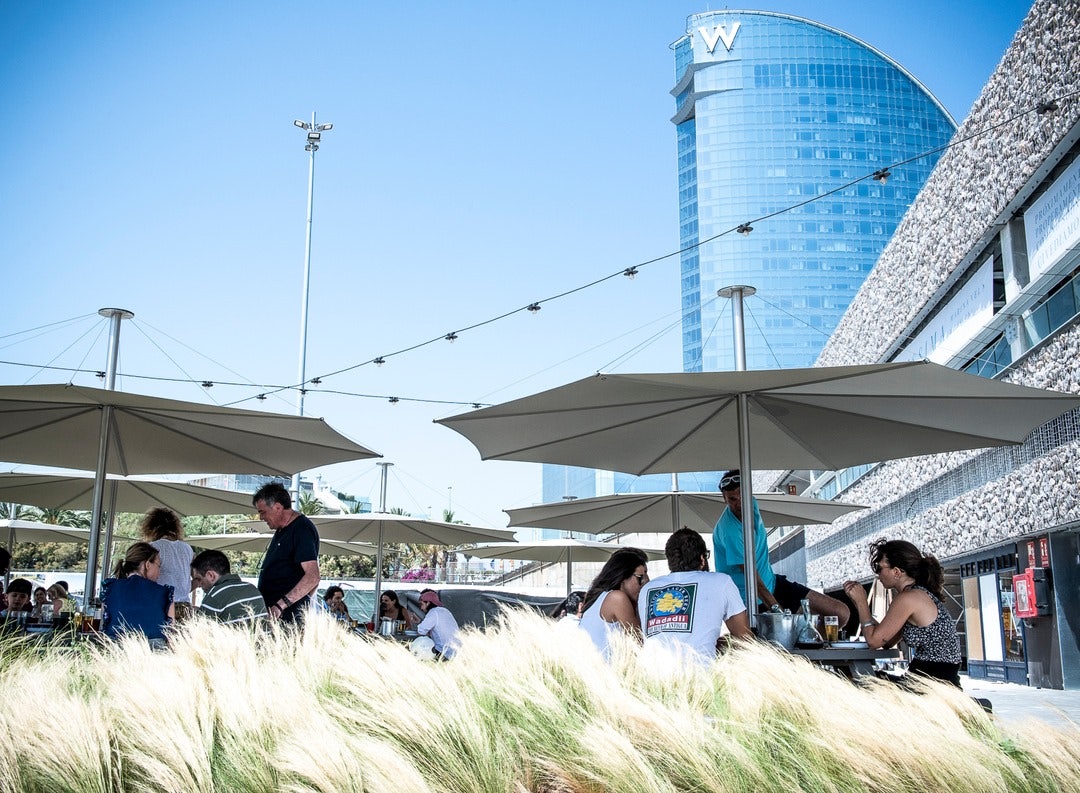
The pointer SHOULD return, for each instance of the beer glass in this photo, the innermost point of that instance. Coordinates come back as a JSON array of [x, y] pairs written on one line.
[[832, 628]]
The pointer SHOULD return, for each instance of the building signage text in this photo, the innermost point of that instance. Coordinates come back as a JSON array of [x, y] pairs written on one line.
[[719, 34]]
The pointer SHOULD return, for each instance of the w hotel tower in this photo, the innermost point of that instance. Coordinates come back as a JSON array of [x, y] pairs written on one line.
[[773, 112]]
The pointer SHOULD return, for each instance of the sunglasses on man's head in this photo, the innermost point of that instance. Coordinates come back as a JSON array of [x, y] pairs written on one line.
[[730, 482]]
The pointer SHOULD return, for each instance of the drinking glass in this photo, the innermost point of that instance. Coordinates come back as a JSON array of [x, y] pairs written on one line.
[[832, 628]]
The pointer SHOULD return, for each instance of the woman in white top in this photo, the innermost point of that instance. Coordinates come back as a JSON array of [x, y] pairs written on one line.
[[611, 602], [161, 528]]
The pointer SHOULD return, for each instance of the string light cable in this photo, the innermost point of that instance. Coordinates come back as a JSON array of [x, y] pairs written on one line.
[[1047, 106]]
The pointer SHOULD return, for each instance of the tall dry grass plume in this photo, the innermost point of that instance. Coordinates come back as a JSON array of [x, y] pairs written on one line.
[[523, 707]]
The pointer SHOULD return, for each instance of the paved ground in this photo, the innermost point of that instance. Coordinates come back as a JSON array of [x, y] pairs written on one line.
[[1014, 703]]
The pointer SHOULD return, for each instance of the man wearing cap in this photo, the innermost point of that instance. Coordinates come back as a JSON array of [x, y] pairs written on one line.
[[772, 589], [438, 624]]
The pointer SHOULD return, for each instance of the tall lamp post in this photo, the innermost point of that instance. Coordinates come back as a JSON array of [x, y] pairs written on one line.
[[314, 136]]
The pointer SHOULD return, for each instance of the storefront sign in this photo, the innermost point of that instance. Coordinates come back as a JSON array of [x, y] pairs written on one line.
[[1031, 560], [1052, 224], [966, 313], [1044, 552]]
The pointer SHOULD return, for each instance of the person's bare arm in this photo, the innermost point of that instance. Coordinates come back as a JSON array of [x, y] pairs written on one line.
[[305, 586]]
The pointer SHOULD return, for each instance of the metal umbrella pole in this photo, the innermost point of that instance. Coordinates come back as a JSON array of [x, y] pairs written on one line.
[[379, 546], [736, 295], [115, 316]]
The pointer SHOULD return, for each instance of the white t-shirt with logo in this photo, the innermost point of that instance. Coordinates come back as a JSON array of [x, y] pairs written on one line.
[[687, 610]]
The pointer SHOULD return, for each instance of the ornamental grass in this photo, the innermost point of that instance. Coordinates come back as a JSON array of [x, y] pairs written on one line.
[[524, 706]]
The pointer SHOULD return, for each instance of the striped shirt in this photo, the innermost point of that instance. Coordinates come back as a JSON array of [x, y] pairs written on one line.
[[232, 601]]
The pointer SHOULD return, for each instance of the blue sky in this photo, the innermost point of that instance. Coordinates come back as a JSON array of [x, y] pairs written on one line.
[[483, 156]]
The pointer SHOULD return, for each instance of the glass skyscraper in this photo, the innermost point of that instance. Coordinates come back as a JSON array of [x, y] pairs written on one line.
[[771, 112]]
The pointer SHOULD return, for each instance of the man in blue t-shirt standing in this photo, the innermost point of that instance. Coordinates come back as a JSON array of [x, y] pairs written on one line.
[[772, 589], [290, 568]]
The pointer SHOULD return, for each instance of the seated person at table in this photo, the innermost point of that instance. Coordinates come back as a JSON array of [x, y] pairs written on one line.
[[439, 624], [688, 607], [225, 597], [392, 608], [611, 603], [5, 565], [18, 597], [772, 589], [334, 600], [42, 607], [133, 600], [62, 604], [570, 611], [917, 614]]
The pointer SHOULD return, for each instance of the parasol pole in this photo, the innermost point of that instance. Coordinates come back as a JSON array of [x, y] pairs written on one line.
[[742, 406], [676, 518], [115, 316], [379, 552]]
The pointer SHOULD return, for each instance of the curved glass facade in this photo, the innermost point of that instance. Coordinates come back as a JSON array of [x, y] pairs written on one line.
[[772, 111]]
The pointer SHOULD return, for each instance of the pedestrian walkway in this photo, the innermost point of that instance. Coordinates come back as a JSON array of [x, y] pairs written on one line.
[[1014, 703]]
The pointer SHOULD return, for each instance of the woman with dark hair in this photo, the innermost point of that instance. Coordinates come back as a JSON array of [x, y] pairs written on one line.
[[392, 608], [133, 599], [916, 614], [161, 528], [611, 602]]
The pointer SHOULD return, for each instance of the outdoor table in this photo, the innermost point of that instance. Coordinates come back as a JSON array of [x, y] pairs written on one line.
[[853, 662]]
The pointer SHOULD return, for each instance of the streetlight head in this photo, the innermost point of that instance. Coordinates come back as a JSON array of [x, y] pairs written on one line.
[[324, 127], [314, 137], [301, 124]]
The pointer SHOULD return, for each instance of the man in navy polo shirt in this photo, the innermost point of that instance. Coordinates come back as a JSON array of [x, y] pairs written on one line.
[[290, 568]]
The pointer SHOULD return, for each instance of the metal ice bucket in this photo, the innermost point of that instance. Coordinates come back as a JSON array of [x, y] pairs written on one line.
[[783, 629]]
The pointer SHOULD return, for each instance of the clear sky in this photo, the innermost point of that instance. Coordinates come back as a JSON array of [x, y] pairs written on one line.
[[484, 155]]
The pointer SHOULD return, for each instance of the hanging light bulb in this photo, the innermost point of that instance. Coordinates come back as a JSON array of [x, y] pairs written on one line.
[[1046, 107], [881, 175], [451, 337], [261, 397], [745, 229], [630, 272], [379, 361], [207, 384], [316, 381], [394, 400], [534, 307]]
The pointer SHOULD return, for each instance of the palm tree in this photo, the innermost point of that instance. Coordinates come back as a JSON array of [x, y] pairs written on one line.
[[310, 505], [62, 517]]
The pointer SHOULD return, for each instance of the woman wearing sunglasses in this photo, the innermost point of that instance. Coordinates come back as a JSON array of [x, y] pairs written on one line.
[[916, 614], [611, 602]]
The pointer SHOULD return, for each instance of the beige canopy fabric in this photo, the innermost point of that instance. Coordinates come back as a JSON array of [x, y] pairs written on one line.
[[60, 425], [256, 542], [824, 418], [13, 531], [821, 418], [565, 551], [635, 513], [111, 432], [133, 494]]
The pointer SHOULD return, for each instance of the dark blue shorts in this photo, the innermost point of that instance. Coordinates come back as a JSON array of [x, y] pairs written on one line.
[[789, 594]]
